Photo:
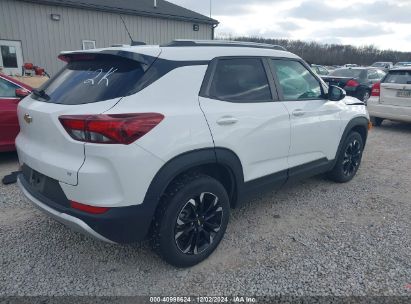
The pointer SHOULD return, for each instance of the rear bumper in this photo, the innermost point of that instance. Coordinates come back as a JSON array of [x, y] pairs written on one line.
[[388, 111], [118, 225], [68, 220]]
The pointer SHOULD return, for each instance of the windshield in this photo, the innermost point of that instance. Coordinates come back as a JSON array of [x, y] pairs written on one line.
[[400, 77], [353, 73], [92, 78]]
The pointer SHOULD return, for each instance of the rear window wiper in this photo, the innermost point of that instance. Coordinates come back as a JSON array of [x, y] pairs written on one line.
[[40, 93]]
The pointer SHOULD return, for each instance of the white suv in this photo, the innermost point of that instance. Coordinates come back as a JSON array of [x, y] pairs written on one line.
[[391, 99], [161, 141]]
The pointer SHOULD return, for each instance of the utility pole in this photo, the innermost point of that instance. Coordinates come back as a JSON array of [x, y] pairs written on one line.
[[211, 5]]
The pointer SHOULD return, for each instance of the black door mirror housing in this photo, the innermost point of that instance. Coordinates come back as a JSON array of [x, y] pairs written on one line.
[[336, 93]]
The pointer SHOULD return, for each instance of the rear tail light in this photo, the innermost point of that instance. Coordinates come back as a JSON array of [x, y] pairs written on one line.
[[375, 91], [352, 83], [110, 128], [88, 208]]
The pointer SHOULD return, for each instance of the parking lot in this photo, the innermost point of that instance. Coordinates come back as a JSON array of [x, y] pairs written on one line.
[[314, 237]]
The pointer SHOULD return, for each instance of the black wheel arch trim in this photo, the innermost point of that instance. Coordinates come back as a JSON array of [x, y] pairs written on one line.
[[191, 160], [184, 163], [361, 122]]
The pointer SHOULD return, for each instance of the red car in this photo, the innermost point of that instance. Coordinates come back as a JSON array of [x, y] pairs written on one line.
[[11, 92]]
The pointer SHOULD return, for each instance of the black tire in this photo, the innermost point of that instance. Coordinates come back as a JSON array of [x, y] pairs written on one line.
[[185, 234], [349, 159], [376, 121]]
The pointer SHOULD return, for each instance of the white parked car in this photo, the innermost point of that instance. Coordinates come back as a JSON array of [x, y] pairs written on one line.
[[391, 99], [130, 142], [350, 65], [383, 65]]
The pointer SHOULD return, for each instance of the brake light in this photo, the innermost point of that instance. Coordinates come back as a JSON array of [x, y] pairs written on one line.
[[375, 91], [110, 128], [352, 83], [88, 208], [76, 57]]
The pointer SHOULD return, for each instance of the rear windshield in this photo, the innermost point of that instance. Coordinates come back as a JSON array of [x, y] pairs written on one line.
[[401, 77], [348, 73], [93, 78]]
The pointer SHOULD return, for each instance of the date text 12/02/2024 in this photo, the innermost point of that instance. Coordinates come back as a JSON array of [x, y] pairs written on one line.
[[203, 299]]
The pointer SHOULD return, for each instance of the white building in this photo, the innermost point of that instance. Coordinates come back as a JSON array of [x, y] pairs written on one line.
[[36, 31]]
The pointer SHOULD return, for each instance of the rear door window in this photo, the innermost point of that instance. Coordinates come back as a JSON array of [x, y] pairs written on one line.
[[240, 80], [93, 78], [400, 77]]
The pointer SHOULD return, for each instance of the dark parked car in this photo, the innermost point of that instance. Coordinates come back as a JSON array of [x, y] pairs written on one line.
[[357, 82]]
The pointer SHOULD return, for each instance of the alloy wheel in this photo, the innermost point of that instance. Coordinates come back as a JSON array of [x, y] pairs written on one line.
[[198, 223], [352, 156]]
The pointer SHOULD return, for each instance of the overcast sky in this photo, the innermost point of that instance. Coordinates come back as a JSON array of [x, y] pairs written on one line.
[[383, 23]]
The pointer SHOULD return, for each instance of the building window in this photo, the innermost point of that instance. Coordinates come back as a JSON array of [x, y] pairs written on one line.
[[89, 44], [9, 56]]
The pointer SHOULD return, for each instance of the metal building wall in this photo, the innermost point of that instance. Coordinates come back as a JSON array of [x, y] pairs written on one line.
[[43, 39]]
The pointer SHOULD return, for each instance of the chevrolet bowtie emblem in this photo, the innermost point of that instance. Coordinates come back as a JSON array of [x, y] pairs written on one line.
[[28, 118]]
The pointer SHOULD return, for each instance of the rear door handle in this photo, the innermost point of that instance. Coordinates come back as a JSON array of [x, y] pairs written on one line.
[[227, 120], [298, 113]]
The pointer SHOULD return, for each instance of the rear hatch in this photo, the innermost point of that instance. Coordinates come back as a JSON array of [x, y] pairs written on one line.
[[396, 88], [90, 83]]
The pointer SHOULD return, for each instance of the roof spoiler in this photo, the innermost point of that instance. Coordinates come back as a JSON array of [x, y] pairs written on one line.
[[145, 60]]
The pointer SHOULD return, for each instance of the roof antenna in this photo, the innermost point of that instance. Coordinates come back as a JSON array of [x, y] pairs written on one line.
[[133, 43]]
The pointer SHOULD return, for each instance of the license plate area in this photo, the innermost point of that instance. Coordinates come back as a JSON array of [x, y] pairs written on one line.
[[404, 93], [37, 180], [44, 188]]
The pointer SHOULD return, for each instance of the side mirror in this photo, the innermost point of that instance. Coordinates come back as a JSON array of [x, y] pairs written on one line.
[[336, 93], [21, 93]]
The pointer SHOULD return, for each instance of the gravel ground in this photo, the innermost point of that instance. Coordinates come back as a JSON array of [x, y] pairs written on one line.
[[314, 237]]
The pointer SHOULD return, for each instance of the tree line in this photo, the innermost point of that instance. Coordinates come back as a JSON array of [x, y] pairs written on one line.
[[333, 54]]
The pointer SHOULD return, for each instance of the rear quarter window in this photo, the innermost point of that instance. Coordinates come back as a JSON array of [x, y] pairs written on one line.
[[93, 78]]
